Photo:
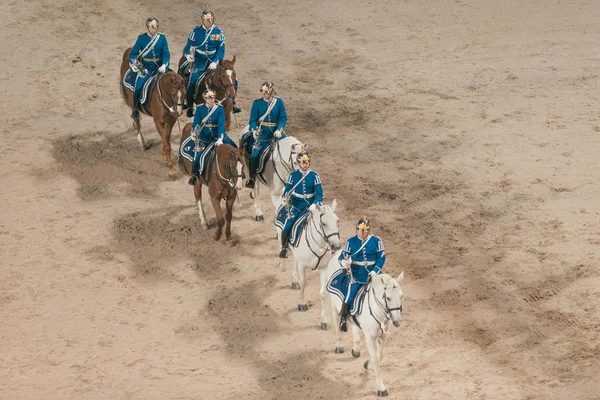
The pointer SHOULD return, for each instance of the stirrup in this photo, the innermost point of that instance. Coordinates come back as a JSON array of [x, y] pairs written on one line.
[[192, 180], [236, 109], [283, 253], [190, 112], [250, 183], [135, 113]]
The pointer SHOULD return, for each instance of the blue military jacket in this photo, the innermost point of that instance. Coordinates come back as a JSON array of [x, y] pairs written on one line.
[[276, 119], [153, 51], [209, 44], [305, 193], [214, 127], [365, 256]]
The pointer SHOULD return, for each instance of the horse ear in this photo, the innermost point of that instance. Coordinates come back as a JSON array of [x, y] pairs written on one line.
[[304, 146], [233, 59], [334, 204], [401, 277]]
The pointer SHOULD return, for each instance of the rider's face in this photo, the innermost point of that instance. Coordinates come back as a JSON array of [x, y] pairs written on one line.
[[266, 95], [152, 28], [362, 233], [207, 22], [304, 165], [210, 101]]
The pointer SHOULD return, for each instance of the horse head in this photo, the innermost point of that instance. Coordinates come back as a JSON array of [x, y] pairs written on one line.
[[224, 78], [234, 166], [388, 292], [172, 92], [330, 224]]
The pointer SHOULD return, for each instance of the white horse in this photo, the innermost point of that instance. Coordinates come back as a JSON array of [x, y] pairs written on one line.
[[278, 168], [382, 307], [320, 235]]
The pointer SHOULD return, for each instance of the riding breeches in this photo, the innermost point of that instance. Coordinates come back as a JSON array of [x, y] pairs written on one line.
[[352, 291]]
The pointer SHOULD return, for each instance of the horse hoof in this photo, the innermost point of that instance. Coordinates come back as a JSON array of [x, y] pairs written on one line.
[[366, 364], [355, 354], [382, 393], [259, 218], [302, 307], [339, 350], [172, 176], [323, 326], [295, 286]]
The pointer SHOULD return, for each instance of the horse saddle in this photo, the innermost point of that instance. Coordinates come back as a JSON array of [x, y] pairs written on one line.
[[129, 82], [187, 151], [263, 158], [297, 228], [339, 284]]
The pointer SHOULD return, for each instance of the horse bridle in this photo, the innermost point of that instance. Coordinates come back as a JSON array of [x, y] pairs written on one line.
[[289, 165], [387, 310], [171, 110], [223, 85], [231, 176], [322, 235]]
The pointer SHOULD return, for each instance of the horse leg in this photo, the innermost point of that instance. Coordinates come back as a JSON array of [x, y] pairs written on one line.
[[335, 317], [164, 132], [355, 341], [295, 284], [216, 202], [380, 345], [374, 364], [257, 211], [229, 214], [198, 195], [140, 137], [302, 273], [322, 296]]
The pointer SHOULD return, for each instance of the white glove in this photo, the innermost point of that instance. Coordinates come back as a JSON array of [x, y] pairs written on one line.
[[372, 273], [312, 207], [219, 142], [189, 57], [255, 134], [277, 134], [134, 68], [213, 65], [284, 201], [162, 69], [346, 263]]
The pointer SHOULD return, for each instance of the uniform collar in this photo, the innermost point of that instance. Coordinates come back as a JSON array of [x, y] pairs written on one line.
[[151, 37]]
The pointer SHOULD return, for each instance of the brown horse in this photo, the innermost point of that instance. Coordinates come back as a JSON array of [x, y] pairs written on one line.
[[166, 105], [223, 177], [221, 80]]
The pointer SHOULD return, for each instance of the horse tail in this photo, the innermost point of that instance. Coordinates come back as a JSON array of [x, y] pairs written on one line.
[[124, 67]]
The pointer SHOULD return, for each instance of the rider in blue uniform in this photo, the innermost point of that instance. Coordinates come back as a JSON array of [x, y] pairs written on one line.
[[364, 255], [208, 127], [208, 41], [267, 120], [303, 191], [150, 55]]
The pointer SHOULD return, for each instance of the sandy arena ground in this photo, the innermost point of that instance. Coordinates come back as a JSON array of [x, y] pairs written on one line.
[[467, 130]]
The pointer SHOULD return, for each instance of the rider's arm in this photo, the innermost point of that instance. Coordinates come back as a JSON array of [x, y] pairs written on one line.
[[282, 115], [197, 119], [318, 190], [190, 42], [221, 123], [380, 257], [254, 117], [135, 51], [346, 252], [288, 186], [166, 54], [220, 54]]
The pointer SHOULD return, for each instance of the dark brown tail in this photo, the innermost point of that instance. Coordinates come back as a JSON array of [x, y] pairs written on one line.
[[124, 67]]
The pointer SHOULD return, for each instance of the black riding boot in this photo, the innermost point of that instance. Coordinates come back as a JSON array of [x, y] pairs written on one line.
[[190, 103], [250, 182], [236, 109], [194, 177], [135, 112], [285, 236], [343, 316]]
